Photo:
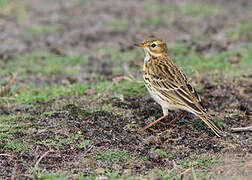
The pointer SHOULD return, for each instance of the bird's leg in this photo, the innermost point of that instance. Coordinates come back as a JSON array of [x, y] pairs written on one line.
[[151, 124], [153, 130], [172, 122], [165, 114]]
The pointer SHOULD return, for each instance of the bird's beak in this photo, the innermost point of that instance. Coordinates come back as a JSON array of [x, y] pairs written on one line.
[[139, 44]]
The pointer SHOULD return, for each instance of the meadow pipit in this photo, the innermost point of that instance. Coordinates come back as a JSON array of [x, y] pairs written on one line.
[[169, 86]]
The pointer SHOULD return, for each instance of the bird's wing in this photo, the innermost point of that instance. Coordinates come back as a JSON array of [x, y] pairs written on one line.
[[171, 84]]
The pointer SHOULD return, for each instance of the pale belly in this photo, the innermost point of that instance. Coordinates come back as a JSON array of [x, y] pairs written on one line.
[[163, 104]]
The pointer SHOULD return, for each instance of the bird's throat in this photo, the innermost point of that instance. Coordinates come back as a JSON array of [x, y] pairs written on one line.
[[146, 59]]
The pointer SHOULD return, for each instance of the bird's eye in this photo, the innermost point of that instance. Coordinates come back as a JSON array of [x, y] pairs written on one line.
[[153, 45]]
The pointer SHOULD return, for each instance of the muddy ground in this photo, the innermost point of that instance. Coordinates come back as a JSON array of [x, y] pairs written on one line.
[[94, 134]]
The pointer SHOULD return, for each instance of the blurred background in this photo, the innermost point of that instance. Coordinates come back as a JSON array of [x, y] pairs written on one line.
[[71, 81], [102, 32]]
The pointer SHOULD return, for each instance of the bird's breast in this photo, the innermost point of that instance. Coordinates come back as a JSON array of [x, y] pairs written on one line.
[[154, 94]]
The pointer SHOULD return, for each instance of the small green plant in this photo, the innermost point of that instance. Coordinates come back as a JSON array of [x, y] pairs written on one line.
[[47, 142], [111, 175], [129, 88], [50, 113], [196, 9], [75, 141], [4, 3], [118, 23], [156, 7], [43, 63], [13, 125], [220, 122], [112, 156], [243, 30], [100, 86], [37, 31], [201, 175], [5, 7], [16, 145], [117, 70], [199, 124], [11, 118], [200, 162], [107, 107], [78, 135], [52, 176], [161, 153], [155, 21], [188, 60], [47, 93], [114, 54], [165, 174], [7, 119], [179, 49]]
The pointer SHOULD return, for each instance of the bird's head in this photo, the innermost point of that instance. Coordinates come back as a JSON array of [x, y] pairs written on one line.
[[153, 47]]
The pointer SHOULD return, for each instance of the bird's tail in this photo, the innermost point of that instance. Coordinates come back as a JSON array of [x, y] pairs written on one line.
[[208, 120]]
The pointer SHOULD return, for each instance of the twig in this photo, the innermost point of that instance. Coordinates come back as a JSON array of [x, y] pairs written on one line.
[[37, 163], [25, 175], [126, 69], [6, 155], [130, 77], [197, 76], [185, 171], [242, 129], [180, 174]]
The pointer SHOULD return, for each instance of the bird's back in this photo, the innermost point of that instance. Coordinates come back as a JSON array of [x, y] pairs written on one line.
[[170, 83]]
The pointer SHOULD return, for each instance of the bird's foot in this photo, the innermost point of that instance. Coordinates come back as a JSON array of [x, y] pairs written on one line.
[[169, 124], [151, 124]]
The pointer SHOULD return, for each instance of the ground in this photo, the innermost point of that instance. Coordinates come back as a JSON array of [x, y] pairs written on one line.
[[72, 96]]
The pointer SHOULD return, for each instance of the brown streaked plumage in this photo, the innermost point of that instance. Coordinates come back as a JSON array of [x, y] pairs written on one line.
[[168, 85]]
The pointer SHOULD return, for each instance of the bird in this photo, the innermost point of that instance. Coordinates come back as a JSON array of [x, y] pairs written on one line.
[[169, 86]]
